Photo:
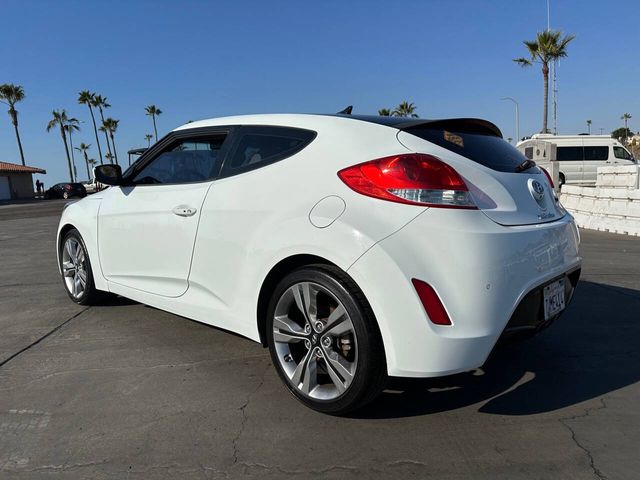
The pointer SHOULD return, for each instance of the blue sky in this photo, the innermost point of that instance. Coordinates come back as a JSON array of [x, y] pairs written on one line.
[[197, 60]]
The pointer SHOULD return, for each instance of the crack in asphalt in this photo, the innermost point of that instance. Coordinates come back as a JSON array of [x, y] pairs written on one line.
[[596, 471], [244, 414], [36, 342]]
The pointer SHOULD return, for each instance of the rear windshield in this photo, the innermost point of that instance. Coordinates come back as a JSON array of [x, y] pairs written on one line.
[[486, 149]]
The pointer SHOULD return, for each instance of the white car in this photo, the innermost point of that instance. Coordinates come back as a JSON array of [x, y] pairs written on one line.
[[354, 247]]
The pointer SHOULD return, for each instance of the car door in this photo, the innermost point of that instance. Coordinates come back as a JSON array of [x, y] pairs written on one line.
[[622, 157], [147, 227]]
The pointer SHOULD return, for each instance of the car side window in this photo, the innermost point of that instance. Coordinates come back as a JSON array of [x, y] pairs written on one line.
[[621, 153], [565, 154], [258, 146], [596, 153], [184, 161]]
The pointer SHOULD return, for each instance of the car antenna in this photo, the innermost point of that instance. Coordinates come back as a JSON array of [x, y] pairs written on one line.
[[346, 111]]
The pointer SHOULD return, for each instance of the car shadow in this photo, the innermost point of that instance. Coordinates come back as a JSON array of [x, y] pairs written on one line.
[[591, 350]]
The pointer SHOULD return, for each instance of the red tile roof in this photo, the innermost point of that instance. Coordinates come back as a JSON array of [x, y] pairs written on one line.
[[14, 168]]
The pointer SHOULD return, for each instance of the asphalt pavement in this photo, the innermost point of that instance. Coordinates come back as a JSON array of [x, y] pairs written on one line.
[[125, 391]]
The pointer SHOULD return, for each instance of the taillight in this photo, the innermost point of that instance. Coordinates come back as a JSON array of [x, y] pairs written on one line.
[[67, 187], [415, 179], [431, 303], [548, 176]]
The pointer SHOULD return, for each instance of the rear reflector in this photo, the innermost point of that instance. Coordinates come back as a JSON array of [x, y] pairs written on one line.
[[415, 179], [431, 303]]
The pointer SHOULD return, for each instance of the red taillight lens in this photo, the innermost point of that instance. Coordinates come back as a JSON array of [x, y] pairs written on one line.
[[431, 303], [416, 179], [548, 176], [67, 187]]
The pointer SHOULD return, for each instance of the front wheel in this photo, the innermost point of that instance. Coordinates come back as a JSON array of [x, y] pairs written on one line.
[[324, 340], [77, 275]]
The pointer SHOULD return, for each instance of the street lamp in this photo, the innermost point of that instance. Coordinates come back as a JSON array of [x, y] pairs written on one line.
[[517, 117]]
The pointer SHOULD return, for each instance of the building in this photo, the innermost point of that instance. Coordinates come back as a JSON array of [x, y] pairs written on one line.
[[16, 181]]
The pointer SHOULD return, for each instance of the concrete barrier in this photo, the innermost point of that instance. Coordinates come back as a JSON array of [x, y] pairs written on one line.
[[613, 205]]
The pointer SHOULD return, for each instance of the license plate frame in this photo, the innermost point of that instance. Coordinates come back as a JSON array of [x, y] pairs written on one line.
[[553, 298]]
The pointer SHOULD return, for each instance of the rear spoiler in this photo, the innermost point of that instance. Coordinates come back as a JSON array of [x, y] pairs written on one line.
[[463, 125]]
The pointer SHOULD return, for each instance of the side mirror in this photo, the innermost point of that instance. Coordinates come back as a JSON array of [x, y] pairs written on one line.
[[108, 174]]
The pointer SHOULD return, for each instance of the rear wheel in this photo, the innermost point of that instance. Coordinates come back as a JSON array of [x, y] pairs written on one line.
[[561, 180], [324, 340], [65, 195]]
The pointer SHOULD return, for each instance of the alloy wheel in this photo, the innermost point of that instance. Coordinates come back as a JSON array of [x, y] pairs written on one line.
[[315, 341], [74, 267]]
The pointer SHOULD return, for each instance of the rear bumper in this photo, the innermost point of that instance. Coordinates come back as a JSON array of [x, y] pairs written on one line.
[[486, 275]]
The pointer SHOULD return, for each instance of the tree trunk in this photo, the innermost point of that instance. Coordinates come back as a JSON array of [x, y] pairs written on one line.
[[114, 148], [86, 161], [106, 137], [73, 158], [545, 115], [14, 120], [66, 149], [95, 130], [155, 130]]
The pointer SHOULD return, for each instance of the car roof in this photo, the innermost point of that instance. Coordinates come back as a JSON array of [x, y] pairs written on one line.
[[291, 119]]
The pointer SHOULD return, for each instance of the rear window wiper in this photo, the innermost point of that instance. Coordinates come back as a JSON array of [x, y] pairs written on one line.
[[526, 165]]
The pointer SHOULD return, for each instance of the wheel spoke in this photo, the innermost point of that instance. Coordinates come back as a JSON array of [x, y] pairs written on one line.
[[79, 255], [296, 378], [68, 269], [310, 378], [306, 301], [83, 278], [337, 320], [286, 330], [76, 285], [71, 250], [340, 375]]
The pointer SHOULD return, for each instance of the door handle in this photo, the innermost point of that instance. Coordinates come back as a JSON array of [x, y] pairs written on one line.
[[184, 211]]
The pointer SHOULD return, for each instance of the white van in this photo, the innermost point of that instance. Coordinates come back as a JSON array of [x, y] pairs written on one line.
[[579, 156]]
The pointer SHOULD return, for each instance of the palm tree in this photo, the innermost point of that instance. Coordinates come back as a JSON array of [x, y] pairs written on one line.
[[109, 157], [86, 97], [589, 126], [101, 102], [111, 125], [84, 148], [153, 112], [548, 46], [405, 109], [148, 138], [71, 125], [11, 94], [384, 112], [60, 119], [626, 117]]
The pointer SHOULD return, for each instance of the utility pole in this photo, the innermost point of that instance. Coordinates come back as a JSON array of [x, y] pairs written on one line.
[[554, 77], [517, 117]]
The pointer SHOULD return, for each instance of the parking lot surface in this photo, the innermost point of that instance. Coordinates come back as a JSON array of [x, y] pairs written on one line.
[[130, 392]]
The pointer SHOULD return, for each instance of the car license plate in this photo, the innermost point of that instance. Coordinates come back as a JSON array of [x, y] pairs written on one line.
[[553, 295]]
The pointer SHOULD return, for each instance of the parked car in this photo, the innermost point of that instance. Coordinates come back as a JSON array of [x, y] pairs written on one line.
[[353, 247], [66, 190], [579, 156]]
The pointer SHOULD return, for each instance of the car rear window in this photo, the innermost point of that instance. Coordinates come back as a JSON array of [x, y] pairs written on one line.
[[482, 147], [258, 146]]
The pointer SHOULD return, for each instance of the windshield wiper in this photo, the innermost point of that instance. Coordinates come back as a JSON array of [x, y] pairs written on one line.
[[526, 165]]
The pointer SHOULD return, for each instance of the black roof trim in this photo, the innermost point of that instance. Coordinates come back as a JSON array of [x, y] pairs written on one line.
[[406, 123]]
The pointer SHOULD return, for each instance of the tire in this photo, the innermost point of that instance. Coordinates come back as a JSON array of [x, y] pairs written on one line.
[[81, 268], [65, 195], [335, 362], [561, 180]]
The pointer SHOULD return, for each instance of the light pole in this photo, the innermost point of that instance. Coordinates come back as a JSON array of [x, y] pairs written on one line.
[[517, 117]]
